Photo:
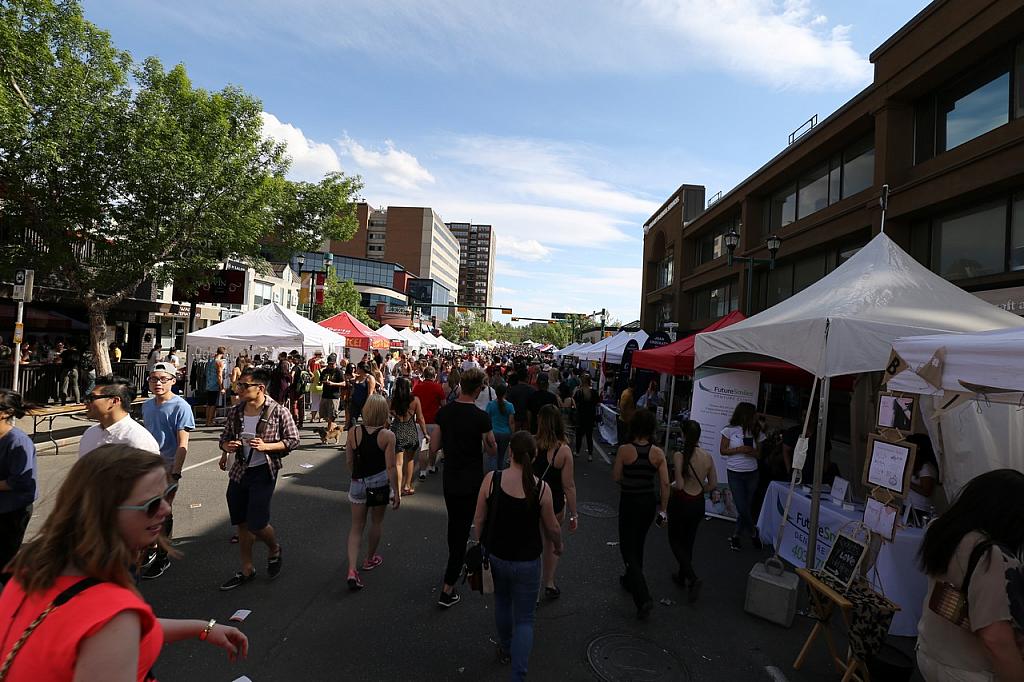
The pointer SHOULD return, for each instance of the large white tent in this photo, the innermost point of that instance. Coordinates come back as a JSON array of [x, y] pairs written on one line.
[[428, 340], [610, 349], [389, 332], [846, 323], [412, 338], [269, 328]]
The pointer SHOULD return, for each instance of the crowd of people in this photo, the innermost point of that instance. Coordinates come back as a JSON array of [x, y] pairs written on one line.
[[501, 428]]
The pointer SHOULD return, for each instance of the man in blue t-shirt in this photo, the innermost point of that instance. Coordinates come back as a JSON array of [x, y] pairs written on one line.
[[168, 417]]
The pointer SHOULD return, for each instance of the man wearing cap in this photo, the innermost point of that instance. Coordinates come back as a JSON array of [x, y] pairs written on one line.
[[168, 417]]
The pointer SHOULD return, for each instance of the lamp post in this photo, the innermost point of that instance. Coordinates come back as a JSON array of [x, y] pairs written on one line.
[[301, 260], [732, 240]]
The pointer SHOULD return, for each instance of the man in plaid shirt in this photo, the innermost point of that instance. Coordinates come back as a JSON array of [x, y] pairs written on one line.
[[258, 432]]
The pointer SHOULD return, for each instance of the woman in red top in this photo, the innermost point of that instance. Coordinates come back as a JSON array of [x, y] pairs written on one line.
[[431, 395], [111, 506]]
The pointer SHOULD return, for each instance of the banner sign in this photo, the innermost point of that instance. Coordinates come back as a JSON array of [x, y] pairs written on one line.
[[224, 286], [320, 279], [798, 523], [716, 392], [625, 367], [643, 377]]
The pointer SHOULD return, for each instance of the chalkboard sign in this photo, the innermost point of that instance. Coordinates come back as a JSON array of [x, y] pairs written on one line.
[[844, 559]]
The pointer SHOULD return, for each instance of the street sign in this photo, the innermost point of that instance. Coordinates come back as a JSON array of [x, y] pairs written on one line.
[[560, 316], [19, 332], [23, 285], [506, 311]]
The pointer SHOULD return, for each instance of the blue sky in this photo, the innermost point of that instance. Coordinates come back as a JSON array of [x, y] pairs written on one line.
[[564, 124]]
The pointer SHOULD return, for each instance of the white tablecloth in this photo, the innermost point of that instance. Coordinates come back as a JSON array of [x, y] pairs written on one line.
[[896, 574], [607, 426]]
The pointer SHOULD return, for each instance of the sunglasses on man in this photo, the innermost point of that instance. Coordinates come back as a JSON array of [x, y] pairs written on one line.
[[246, 384], [151, 507], [90, 397]]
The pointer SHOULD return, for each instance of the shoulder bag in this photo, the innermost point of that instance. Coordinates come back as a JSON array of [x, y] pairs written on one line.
[[477, 566], [948, 601]]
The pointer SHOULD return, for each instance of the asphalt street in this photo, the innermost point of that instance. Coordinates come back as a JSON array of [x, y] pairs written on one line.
[[306, 625]]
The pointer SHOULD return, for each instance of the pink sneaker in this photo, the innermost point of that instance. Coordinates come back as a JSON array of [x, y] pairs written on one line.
[[373, 562], [354, 581]]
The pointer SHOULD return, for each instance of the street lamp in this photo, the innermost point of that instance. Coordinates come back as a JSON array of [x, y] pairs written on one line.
[[732, 240]]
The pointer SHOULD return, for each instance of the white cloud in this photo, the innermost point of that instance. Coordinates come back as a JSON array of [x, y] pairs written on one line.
[[311, 160], [395, 166], [528, 249]]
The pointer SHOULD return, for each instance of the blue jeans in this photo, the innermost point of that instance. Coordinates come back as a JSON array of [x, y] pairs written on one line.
[[500, 460], [743, 485], [516, 584]]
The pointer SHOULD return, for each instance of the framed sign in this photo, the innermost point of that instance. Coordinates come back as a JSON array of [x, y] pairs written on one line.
[[880, 518], [844, 559], [889, 464], [897, 411]]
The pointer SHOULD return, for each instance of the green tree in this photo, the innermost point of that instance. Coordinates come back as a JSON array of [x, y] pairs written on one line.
[[142, 175], [341, 295]]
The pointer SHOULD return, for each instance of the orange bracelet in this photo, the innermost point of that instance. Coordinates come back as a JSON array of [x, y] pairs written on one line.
[[206, 631]]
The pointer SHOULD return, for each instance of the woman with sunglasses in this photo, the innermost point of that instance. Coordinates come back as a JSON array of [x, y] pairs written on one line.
[[71, 609]]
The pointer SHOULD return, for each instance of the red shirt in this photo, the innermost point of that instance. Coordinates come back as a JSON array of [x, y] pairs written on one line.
[[431, 396], [51, 651]]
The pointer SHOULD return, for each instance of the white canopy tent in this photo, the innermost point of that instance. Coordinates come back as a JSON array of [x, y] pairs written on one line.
[[567, 350], [974, 413], [428, 340], [846, 323], [612, 347], [269, 328], [389, 332], [411, 338]]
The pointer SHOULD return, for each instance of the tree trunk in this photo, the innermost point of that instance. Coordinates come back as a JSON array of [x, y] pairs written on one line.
[[98, 338]]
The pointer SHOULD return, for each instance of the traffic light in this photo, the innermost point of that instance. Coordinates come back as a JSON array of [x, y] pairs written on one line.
[[515, 319]]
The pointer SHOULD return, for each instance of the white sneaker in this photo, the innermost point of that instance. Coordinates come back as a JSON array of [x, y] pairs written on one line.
[[432, 470]]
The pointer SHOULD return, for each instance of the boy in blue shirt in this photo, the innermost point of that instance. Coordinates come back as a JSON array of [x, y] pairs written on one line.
[[169, 418]]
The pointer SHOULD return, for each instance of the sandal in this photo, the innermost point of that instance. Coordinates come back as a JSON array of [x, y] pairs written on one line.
[[234, 539], [408, 491]]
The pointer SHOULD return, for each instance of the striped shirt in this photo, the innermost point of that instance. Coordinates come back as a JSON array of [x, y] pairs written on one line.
[[639, 477]]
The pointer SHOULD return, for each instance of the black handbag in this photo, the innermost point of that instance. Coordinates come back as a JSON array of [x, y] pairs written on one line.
[[477, 565], [378, 497]]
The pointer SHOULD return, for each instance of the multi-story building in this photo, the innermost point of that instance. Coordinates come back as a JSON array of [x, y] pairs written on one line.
[[942, 125], [476, 264], [414, 237]]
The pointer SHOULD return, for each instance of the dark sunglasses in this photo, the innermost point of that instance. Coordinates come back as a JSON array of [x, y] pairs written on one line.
[[245, 384], [89, 397], [151, 507]]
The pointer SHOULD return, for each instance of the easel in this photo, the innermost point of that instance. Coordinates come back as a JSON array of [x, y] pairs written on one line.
[[824, 600]]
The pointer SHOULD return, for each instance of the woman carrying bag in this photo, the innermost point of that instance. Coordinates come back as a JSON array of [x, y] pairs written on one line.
[[511, 508]]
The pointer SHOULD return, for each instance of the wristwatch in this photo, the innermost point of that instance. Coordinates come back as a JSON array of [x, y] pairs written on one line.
[[206, 630]]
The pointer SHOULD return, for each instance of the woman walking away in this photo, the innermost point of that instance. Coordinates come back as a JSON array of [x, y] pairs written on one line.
[[18, 472], [641, 471], [694, 476], [587, 401], [741, 443], [512, 507], [971, 554], [406, 415], [501, 413], [71, 608], [370, 451], [568, 408], [363, 386], [554, 465]]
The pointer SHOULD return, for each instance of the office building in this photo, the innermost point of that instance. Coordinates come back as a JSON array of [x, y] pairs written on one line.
[[415, 238], [942, 125], [476, 265]]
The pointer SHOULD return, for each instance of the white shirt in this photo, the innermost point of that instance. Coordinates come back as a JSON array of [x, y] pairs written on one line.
[[249, 425], [126, 431], [737, 462], [486, 396], [917, 500], [469, 364]]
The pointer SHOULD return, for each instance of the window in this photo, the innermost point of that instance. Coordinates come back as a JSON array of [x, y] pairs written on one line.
[[807, 271], [711, 244], [858, 166], [782, 210], [971, 243], [715, 301], [262, 294], [665, 269], [813, 191], [1017, 234], [976, 112]]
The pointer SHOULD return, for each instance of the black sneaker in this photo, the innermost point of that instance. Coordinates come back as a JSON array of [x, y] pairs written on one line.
[[504, 658], [237, 580], [734, 543], [274, 565], [448, 599], [156, 569], [147, 561], [552, 592]]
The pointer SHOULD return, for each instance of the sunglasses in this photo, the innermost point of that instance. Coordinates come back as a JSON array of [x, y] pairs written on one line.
[[90, 397], [151, 507], [244, 384]]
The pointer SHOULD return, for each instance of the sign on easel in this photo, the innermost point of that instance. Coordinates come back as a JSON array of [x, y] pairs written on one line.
[[844, 559]]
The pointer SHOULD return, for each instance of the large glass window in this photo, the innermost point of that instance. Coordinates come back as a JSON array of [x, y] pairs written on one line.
[[262, 294], [782, 210], [1017, 234], [780, 284], [715, 301], [813, 191], [971, 243], [808, 270], [858, 167], [711, 244], [977, 112], [665, 269]]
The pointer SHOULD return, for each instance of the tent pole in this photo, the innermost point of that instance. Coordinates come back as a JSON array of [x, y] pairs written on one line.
[[668, 417], [819, 464]]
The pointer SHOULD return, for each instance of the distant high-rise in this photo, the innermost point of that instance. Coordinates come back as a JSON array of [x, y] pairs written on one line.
[[476, 265]]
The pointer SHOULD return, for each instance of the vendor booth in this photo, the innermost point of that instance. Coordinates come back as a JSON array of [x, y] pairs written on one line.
[[357, 334], [412, 339], [392, 335], [271, 328], [610, 350], [846, 324]]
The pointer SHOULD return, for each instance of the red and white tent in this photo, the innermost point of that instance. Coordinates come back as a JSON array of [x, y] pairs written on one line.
[[357, 334]]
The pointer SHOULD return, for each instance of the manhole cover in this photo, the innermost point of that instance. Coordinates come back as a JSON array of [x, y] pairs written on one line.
[[617, 657], [598, 510]]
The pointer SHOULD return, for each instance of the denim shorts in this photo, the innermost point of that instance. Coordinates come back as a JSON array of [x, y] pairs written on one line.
[[357, 488]]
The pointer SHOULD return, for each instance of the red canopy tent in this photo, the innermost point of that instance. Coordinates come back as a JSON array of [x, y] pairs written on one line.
[[357, 334], [677, 358]]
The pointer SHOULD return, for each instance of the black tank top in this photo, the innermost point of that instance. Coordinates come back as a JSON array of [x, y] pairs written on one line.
[[369, 457], [516, 533], [545, 469], [638, 478]]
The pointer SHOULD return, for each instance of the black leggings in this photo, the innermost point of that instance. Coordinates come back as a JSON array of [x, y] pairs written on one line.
[[12, 532], [461, 509], [585, 431], [684, 516], [636, 513]]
